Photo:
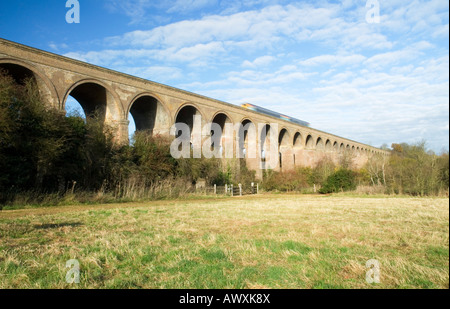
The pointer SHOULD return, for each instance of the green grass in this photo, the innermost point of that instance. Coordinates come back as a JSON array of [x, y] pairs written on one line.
[[274, 241]]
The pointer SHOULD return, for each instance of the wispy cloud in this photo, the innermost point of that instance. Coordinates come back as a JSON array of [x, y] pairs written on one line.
[[333, 60], [259, 62], [136, 10], [183, 6]]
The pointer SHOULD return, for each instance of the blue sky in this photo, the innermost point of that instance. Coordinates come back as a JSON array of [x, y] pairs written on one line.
[[319, 61]]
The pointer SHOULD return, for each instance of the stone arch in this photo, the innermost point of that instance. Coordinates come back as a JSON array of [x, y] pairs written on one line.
[[225, 137], [149, 114], [192, 107], [284, 138], [309, 142], [20, 70], [336, 147], [297, 142], [320, 145], [284, 146], [97, 100], [246, 139], [328, 146], [265, 142], [264, 135], [185, 115], [297, 145]]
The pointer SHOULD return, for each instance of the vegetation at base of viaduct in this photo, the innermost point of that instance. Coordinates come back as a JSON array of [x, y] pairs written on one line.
[[44, 152]]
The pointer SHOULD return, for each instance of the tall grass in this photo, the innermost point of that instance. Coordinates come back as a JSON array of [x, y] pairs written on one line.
[[265, 241], [134, 188]]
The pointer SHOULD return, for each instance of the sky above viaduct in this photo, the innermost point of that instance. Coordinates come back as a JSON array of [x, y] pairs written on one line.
[[331, 63]]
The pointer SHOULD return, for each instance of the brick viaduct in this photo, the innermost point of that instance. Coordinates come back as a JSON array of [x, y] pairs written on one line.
[[157, 107]]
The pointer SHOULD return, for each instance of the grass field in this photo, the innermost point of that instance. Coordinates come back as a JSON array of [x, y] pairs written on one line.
[[265, 241]]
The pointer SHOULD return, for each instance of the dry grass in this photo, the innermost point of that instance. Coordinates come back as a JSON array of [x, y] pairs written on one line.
[[268, 241]]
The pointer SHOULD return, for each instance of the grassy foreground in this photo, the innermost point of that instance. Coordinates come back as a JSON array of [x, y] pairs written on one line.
[[275, 241]]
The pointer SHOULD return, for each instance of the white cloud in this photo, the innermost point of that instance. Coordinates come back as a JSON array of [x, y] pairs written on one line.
[[259, 62], [409, 53], [57, 47], [134, 9], [154, 73], [441, 32], [264, 26], [199, 52], [333, 60], [321, 62]]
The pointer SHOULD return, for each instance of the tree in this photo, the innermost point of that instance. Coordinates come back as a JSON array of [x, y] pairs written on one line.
[[415, 170], [376, 167], [31, 137], [323, 169], [41, 149]]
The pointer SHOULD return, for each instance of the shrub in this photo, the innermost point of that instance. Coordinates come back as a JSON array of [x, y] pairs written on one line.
[[342, 180], [295, 180]]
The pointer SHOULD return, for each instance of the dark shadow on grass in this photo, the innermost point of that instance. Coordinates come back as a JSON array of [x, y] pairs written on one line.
[[57, 225]]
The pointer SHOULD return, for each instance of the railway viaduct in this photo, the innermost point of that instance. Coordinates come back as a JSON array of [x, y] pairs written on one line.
[[156, 107]]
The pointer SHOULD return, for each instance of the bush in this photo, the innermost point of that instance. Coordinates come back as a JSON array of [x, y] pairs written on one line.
[[342, 180], [295, 180]]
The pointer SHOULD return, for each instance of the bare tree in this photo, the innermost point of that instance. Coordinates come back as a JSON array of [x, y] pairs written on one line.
[[376, 166]]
